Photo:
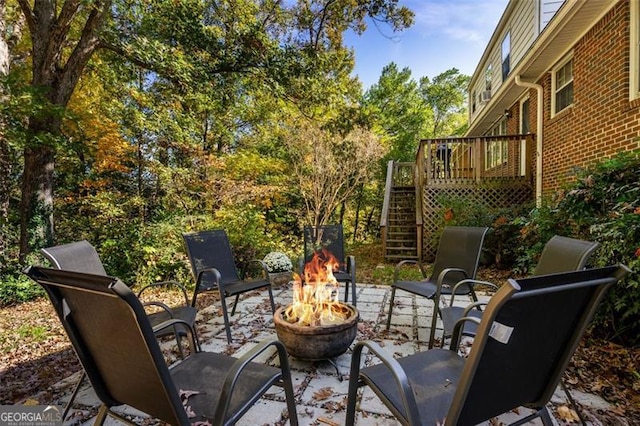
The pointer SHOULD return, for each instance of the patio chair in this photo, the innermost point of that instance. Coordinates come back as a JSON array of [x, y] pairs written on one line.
[[456, 259], [529, 331], [331, 239], [81, 256], [560, 254], [115, 342], [214, 269]]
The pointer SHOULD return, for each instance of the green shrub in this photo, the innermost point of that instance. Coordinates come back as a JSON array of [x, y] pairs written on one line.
[[501, 243], [602, 204], [15, 287]]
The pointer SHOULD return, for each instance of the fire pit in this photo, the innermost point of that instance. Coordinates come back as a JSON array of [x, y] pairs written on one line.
[[317, 326], [319, 342]]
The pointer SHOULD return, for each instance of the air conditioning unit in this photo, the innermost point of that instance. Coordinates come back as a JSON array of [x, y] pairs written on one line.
[[485, 96]]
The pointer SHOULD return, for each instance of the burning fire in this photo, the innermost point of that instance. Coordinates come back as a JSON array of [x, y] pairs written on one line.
[[315, 302]]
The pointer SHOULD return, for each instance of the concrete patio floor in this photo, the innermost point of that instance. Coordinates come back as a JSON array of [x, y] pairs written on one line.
[[320, 395]]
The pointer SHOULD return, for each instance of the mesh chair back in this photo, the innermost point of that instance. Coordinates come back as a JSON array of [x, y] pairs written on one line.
[[80, 256], [111, 334], [562, 254], [459, 247], [529, 331], [211, 249], [329, 237]]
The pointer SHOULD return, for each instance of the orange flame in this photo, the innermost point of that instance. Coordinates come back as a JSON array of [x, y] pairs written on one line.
[[315, 301]]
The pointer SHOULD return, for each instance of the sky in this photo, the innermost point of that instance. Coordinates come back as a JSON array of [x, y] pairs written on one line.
[[446, 34]]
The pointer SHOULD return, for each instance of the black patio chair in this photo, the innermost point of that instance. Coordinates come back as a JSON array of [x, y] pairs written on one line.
[[456, 259], [331, 239], [81, 256], [214, 269], [560, 254], [529, 331], [115, 342]]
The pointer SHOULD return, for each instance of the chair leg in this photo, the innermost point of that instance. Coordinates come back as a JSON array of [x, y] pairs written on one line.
[[67, 407], [273, 305], [287, 384], [101, 416], [434, 321], [544, 415], [235, 303], [225, 317], [353, 290], [354, 384], [572, 402], [393, 295]]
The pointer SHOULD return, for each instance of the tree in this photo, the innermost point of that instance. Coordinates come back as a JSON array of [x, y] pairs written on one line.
[[397, 111], [182, 43], [58, 56], [446, 96], [330, 168]]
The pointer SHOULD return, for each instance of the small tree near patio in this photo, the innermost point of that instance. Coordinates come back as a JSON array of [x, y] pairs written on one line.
[[329, 168]]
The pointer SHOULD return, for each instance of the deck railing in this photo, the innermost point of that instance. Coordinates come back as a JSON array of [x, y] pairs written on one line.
[[477, 159]]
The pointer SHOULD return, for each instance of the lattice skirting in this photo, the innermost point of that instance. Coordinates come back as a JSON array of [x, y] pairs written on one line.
[[490, 196]]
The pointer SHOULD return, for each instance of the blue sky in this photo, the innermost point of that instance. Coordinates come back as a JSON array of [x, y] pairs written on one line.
[[446, 34]]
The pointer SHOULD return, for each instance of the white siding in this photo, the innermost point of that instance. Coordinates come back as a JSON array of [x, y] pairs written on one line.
[[523, 30]]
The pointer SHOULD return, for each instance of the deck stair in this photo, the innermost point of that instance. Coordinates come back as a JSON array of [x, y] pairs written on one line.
[[401, 241]]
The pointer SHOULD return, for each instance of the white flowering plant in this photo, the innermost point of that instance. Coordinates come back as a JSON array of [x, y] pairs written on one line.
[[277, 262]]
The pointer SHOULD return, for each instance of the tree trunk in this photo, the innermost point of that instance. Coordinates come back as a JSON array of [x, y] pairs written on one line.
[[57, 76], [36, 204], [5, 192]]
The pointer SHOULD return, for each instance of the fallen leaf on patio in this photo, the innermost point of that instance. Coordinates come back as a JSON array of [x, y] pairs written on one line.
[[327, 421], [323, 394], [567, 414]]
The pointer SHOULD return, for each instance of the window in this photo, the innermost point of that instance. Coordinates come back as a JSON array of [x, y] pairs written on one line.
[[525, 127], [634, 57], [488, 76], [506, 54], [473, 101], [496, 152], [547, 10], [562, 85]]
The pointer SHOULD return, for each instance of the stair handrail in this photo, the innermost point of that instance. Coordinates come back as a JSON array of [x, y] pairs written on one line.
[[387, 196]]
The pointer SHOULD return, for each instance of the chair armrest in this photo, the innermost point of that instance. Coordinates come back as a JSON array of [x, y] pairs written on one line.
[[471, 306], [456, 335], [263, 266], [399, 265], [217, 278], [351, 264], [164, 307], [167, 283], [399, 375], [470, 282], [236, 370], [194, 346]]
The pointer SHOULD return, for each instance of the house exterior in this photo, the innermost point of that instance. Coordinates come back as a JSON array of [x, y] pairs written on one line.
[[566, 71]]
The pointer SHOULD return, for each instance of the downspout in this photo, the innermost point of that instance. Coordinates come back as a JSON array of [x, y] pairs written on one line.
[[539, 112]]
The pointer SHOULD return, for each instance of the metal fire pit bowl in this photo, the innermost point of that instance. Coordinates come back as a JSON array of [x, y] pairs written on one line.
[[316, 343]]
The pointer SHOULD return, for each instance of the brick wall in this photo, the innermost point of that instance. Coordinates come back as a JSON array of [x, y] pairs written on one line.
[[602, 121]]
